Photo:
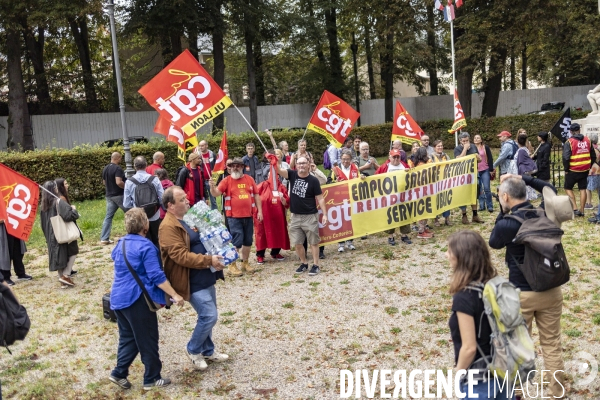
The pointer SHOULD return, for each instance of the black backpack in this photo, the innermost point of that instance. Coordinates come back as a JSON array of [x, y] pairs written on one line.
[[515, 148], [180, 177], [14, 321], [545, 264], [146, 196]]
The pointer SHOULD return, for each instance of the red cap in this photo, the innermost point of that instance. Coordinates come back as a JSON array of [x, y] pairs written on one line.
[[504, 133], [394, 152]]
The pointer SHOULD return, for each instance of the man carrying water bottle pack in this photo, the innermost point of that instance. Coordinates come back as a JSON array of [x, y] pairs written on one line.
[[241, 196]]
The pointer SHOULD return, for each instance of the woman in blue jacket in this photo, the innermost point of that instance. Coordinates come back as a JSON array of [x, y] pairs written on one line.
[[138, 325]]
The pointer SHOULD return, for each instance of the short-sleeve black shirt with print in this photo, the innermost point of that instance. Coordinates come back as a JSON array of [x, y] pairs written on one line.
[[303, 192]]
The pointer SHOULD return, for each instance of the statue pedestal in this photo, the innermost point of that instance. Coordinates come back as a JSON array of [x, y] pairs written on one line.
[[589, 124]]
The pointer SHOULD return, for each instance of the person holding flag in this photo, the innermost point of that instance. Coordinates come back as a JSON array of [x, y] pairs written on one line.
[[208, 164], [191, 179]]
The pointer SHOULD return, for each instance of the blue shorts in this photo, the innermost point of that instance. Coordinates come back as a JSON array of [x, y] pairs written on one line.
[[242, 231]]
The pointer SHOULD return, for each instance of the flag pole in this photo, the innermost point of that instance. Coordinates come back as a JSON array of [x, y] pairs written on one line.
[[256, 134], [306, 129], [49, 192], [453, 73]]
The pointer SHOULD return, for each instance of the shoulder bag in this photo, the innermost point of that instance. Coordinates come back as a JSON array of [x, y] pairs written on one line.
[[64, 232], [154, 307]]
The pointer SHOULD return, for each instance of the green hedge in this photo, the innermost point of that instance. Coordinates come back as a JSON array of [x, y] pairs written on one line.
[[82, 166]]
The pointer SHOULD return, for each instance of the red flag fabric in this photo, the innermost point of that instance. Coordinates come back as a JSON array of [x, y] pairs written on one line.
[[222, 157], [185, 94], [333, 118], [184, 141], [20, 197], [405, 128], [459, 3], [459, 116]]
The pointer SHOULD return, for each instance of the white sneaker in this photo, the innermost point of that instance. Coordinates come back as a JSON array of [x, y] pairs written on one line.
[[350, 246], [341, 248], [197, 360], [217, 357]]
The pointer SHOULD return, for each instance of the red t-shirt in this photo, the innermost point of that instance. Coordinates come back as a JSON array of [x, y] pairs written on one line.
[[150, 169], [206, 164], [239, 196]]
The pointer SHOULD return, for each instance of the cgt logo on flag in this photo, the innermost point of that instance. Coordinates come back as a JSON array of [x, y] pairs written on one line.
[[405, 128], [185, 94], [333, 118], [19, 202], [459, 116]]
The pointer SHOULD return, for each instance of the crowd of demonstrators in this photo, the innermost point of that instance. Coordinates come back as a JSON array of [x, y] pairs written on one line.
[[158, 162], [12, 250], [346, 171], [593, 183], [192, 273], [113, 178], [61, 257], [208, 160], [485, 174], [191, 179], [578, 158], [149, 188], [465, 148], [241, 199], [137, 324], [546, 306]]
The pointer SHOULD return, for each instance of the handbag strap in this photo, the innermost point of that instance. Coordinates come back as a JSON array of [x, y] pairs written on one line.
[[138, 280]]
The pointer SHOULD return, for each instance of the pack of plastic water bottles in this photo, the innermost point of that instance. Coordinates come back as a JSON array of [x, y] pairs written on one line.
[[213, 234]]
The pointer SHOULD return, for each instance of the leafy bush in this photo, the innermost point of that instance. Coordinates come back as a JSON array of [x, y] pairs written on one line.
[[82, 166]]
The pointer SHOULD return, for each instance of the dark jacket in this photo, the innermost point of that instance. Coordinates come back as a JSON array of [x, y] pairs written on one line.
[[542, 160], [58, 254], [250, 166]]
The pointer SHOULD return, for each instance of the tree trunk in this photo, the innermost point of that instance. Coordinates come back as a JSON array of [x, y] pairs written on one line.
[[387, 74], [465, 68], [166, 49], [335, 59], [219, 62], [19, 124], [249, 38], [513, 70], [260, 75], [193, 43], [494, 83], [369, 53], [431, 42], [175, 36], [80, 34], [524, 67], [35, 48]]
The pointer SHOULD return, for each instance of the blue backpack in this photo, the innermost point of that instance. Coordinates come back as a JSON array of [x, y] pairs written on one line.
[[326, 160]]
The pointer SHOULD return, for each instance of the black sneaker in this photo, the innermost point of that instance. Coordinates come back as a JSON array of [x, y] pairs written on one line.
[[321, 255], [406, 239], [24, 277], [11, 283], [73, 272], [157, 383], [124, 383], [314, 270], [302, 268], [593, 220], [391, 241], [578, 213]]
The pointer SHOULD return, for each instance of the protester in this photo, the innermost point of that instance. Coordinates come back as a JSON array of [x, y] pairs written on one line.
[[304, 194], [138, 325], [578, 158], [191, 179], [272, 232], [397, 145], [525, 165], [113, 178], [545, 306], [421, 158], [302, 152], [12, 250], [346, 171], [166, 183], [542, 157], [465, 148], [366, 164], [485, 172], [469, 326], [316, 172], [285, 148], [241, 198], [413, 150], [593, 181], [283, 165], [508, 148], [334, 155], [250, 161], [208, 164], [61, 257], [440, 156], [129, 197], [355, 150], [395, 164], [62, 186], [188, 268], [425, 143], [158, 162], [262, 172]]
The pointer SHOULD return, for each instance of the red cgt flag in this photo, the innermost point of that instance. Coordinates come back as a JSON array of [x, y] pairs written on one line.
[[20, 197], [221, 161], [459, 116], [185, 94], [405, 128], [333, 118], [183, 141]]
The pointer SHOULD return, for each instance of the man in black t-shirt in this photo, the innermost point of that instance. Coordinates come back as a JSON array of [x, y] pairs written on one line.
[[305, 192], [466, 148], [113, 178]]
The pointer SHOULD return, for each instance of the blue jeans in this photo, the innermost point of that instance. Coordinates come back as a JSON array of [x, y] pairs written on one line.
[[138, 332], [113, 203], [205, 303], [213, 201], [480, 391], [485, 195]]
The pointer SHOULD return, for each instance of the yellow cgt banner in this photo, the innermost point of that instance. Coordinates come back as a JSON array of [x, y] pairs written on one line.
[[360, 207]]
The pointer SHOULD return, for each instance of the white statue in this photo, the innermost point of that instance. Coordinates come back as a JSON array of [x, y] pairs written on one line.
[[594, 99]]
